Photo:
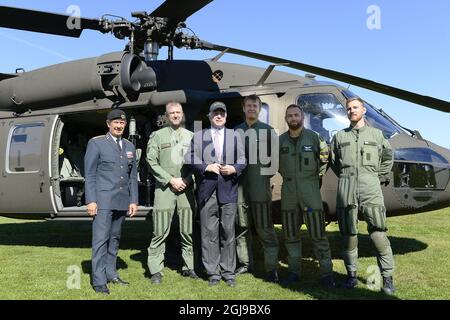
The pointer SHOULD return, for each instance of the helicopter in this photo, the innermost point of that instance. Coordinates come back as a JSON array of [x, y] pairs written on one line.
[[47, 115]]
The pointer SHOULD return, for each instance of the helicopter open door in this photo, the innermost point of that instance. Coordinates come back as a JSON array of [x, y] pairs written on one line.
[[26, 188]]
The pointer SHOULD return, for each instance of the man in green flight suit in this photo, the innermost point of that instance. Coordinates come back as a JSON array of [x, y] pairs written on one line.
[[362, 159], [255, 194], [303, 160], [174, 190]]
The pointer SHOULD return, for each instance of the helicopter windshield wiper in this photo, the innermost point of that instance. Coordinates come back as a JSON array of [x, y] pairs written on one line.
[[388, 117]]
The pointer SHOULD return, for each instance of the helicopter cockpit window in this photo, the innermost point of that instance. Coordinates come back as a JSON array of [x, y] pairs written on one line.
[[264, 114], [25, 148], [323, 114], [326, 115]]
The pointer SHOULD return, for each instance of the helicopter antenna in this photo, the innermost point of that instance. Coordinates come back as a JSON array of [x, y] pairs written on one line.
[[170, 52]]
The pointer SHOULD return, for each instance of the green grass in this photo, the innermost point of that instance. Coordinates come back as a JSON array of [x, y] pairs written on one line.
[[35, 256]]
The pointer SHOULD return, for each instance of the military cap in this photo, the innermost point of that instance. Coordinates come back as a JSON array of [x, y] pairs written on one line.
[[217, 105], [116, 114]]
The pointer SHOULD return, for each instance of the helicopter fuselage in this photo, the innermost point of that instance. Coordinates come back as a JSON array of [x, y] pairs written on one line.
[[48, 115]]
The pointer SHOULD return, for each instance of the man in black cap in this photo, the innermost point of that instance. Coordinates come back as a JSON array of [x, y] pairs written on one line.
[[218, 158], [111, 191]]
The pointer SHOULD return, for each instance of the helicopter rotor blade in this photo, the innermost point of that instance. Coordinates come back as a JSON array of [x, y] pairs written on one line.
[[179, 10], [429, 102], [46, 22]]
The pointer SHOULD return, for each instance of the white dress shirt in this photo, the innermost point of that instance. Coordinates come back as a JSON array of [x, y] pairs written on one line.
[[218, 134], [115, 141]]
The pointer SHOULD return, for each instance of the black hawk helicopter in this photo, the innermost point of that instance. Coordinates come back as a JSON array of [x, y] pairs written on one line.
[[47, 115]]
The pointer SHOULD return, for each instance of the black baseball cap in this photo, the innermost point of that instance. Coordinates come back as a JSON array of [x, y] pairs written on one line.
[[116, 114]]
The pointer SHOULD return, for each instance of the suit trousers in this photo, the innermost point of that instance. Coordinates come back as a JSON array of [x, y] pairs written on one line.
[[106, 231], [218, 238]]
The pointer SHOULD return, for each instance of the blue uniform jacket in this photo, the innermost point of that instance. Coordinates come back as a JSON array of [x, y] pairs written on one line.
[[111, 175], [202, 154]]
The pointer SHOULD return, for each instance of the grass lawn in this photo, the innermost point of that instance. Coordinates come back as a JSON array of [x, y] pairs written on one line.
[[37, 258]]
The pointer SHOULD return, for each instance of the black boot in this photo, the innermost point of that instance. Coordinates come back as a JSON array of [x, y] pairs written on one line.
[[328, 281], [351, 281], [388, 286], [271, 276]]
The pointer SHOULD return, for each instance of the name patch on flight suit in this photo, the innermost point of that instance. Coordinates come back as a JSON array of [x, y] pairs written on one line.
[[284, 150], [367, 152]]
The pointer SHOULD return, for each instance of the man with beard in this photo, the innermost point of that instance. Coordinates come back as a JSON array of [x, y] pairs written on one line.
[[362, 159], [303, 160]]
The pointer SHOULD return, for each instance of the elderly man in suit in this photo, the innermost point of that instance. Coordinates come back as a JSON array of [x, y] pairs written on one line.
[[111, 190], [218, 158]]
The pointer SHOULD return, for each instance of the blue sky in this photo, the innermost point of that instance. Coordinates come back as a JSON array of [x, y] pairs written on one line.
[[410, 51]]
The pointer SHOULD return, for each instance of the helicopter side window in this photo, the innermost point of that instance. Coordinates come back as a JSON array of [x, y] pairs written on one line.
[[324, 114], [419, 155], [24, 149]]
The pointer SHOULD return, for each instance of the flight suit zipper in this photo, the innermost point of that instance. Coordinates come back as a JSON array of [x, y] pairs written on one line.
[[357, 168]]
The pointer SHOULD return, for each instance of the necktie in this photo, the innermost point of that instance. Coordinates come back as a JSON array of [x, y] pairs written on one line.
[[217, 146], [118, 144]]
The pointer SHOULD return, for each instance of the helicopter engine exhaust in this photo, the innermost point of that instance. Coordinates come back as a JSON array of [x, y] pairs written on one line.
[[113, 75]]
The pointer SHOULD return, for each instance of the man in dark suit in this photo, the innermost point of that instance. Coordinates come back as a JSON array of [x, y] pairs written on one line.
[[218, 158], [111, 190]]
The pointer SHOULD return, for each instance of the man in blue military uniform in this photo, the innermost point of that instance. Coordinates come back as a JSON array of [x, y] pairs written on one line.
[[111, 191]]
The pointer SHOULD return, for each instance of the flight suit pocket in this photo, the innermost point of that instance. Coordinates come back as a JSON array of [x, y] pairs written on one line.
[[346, 192], [166, 155], [185, 148], [346, 154], [308, 161], [288, 194], [370, 154], [242, 215], [310, 195], [284, 160]]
